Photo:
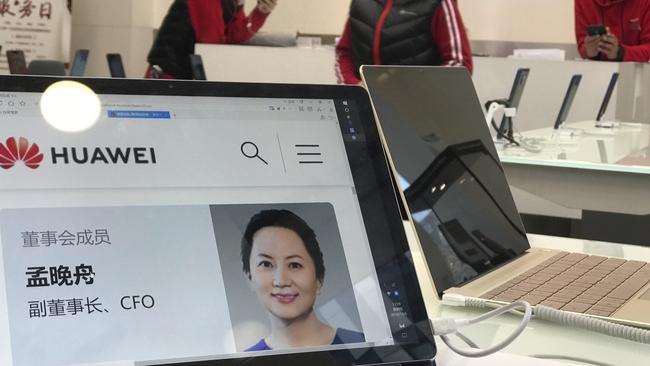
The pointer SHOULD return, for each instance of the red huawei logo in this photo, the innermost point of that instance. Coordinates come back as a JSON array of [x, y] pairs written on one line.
[[13, 152]]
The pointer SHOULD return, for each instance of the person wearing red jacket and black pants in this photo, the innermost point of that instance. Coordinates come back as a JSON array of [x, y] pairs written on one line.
[[201, 21], [401, 32], [628, 29]]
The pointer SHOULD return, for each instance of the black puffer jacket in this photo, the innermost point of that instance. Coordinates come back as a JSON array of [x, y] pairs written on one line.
[[176, 38], [405, 32], [174, 42]]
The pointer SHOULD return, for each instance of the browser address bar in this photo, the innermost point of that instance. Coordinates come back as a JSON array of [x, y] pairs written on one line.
[[248, 115]]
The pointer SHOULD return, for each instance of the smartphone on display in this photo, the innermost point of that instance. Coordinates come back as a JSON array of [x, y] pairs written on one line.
[[16, 61], [115, 65], [78, 67], [198, 72], [596, 30]]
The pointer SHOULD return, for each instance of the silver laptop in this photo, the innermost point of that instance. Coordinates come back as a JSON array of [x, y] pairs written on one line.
[[466, 221]]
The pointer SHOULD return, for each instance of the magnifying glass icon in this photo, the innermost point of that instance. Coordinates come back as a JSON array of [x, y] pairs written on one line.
[[251, 151]]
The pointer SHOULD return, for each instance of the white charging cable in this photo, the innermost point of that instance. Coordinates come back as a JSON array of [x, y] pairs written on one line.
[[445, 326], [561, 317]]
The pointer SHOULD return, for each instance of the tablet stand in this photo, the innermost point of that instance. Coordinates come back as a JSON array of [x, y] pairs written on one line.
[[506, 129]]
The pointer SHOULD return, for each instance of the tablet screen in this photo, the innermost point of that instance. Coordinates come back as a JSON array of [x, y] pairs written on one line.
[[184, 228]]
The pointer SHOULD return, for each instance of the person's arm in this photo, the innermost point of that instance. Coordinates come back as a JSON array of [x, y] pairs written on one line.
[[241, 28], [345, 69], [587, 45], [580, 24], [450, 37]]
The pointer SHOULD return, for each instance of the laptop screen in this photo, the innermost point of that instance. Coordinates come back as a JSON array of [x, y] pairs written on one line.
[[224, 225], [463, 211]]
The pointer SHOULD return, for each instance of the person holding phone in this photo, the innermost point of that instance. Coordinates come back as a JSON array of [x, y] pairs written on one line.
[[401, 32], [201, 21], [613, 30]]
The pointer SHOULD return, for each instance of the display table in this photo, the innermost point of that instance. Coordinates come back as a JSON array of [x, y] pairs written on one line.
[[600, 169], [541, 337]]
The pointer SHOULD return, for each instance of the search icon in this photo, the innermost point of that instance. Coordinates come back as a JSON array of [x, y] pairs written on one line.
[[251, 151]]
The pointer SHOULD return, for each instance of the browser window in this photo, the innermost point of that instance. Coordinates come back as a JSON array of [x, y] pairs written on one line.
[[168, 231]]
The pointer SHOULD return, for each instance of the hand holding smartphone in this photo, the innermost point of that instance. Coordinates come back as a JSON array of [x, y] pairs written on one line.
[[266, 6]]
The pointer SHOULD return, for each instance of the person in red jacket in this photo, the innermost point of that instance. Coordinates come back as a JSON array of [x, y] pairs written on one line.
[[628, 29], [401, 32], [201, 21]]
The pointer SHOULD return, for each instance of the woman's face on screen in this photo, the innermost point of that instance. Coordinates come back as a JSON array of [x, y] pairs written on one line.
[[283, 274]]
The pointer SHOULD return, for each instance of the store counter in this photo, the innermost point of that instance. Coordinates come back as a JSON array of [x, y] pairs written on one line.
[[584, 167], [312, 65]]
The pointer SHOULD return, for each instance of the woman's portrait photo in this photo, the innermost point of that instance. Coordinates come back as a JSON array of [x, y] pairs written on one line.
[[286, 276]]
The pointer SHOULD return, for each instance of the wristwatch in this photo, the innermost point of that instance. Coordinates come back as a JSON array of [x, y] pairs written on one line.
[[620, 54]]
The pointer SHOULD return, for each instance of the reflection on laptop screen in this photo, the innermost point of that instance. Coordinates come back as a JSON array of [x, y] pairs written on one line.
[[607, 97], [185, 228], [462, 208]]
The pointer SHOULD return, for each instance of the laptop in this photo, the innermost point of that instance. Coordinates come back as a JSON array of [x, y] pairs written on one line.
[[470, 232], [192, 222]]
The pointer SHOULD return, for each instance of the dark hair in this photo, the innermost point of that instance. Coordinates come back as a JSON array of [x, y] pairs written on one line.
[[284, 219]]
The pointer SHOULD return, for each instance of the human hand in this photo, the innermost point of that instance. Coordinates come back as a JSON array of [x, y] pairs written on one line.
[[591, 45], [608, 46], [266, 6]]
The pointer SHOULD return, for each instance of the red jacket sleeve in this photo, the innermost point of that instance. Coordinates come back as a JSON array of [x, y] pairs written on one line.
[[581, 22], [243, 27], [345, 70], [450, 37], [641, 52]]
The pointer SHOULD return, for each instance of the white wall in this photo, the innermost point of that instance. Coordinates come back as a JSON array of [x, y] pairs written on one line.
[[549, 21], [115, 26]]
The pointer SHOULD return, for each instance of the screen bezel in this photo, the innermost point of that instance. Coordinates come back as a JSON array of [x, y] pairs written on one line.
[[568, 101], [607, 97], [381, 195]]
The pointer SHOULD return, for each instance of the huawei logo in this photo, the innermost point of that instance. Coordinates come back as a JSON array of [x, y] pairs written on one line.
[[19, 151]]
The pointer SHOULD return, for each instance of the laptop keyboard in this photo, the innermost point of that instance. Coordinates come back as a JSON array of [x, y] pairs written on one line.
[[577, 282]]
